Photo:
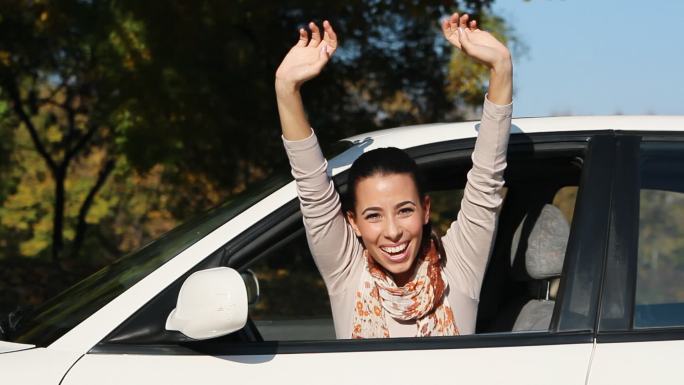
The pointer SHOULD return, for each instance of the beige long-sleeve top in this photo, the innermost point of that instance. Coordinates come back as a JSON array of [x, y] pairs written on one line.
[[468, 242]]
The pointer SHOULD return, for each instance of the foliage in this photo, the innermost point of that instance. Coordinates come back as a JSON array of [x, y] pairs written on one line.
[[58, 78], [119, 119]]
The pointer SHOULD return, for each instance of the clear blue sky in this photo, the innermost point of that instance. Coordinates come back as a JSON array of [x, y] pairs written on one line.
[[598, 57]]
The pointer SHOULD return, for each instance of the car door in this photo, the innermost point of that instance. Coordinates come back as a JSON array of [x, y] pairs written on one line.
[[641, 330], [276, 346]]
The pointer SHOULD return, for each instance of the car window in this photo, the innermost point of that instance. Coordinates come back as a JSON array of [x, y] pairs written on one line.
[[521, 290], [294, 305], [659, 298]]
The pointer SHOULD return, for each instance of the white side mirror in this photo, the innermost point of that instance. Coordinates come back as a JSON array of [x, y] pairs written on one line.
[[211, 303]]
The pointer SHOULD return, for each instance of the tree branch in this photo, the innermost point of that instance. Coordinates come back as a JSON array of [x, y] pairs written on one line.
[[17, 105], [71, 127], [71, 152], [50, 98], [81, 226], [58, 215]]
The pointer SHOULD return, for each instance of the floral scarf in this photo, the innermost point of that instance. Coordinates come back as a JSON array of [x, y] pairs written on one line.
[[422, 299]]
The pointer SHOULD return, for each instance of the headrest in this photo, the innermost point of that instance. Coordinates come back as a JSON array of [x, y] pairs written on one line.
[[546, 243]]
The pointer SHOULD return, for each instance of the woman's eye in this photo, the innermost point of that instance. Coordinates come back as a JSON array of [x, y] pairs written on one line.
[[373, 217], [406, 211]]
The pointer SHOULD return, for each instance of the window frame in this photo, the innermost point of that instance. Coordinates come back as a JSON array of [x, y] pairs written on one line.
[[622, 257], [584, 264]]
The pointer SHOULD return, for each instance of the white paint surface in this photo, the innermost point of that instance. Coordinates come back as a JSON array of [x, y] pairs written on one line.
[[6, 347], [555, 364], [37, 366], [626, 363]]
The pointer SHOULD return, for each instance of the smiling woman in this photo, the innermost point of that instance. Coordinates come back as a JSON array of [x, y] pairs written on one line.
[[386, 273], [388, 209]]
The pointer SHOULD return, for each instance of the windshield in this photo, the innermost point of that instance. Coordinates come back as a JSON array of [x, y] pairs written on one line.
[[60, 314]]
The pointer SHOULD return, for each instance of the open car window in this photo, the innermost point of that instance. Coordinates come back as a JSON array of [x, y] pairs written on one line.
[[294, 306], [534, 230]]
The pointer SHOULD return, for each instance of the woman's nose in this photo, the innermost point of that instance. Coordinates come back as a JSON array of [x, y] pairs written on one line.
[[393, 231]]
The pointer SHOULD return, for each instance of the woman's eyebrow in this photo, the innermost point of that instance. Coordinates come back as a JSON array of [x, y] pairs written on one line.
[[373, 208], [405, 203]]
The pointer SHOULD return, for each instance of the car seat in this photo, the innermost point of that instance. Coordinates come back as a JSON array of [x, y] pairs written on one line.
[[541, 245]]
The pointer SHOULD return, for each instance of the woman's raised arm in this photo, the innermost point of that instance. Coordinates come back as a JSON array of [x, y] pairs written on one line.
[[304, 61], [485, 48], [469, 241]]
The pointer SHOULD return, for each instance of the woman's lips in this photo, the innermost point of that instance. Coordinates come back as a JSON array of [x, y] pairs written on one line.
[[396, 253]]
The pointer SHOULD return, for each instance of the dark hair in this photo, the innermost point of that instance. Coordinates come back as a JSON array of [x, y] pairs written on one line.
[[381, 161]]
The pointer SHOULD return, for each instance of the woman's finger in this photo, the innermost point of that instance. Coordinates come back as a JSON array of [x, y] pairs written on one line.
[[323, 53], [463, 21], [450, 27], [453, 22], [446, 27], [473, 25], [303, 38], [315, 35], [463, 37], [323, 57], [329, 36]]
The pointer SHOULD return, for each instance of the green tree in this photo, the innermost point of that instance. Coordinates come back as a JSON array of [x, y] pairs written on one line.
[[140, 114], [60, 63]]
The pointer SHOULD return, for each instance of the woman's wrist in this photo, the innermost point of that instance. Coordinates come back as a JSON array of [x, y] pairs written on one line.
[[501, 82], [286, 87], [504, 65]]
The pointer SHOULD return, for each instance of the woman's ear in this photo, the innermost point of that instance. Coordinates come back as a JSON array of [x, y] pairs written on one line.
[[352, 221], [426, 209]]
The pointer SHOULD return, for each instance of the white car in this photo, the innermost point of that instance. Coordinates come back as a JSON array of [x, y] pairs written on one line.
[[585, 283]]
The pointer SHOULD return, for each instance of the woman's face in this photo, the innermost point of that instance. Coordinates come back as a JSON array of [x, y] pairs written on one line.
[[389, 216]]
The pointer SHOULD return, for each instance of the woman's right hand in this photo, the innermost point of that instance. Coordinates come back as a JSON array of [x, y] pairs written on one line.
[[307, 58]]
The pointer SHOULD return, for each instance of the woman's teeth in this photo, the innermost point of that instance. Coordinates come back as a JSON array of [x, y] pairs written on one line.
[[395, 249]]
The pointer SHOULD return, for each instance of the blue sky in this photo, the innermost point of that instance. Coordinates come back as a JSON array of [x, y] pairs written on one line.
[[598, 57]]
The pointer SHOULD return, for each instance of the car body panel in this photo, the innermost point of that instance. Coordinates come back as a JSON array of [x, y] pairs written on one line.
[[6, 347], [648, 362], [557, 364], [412, 136], [36, 366]]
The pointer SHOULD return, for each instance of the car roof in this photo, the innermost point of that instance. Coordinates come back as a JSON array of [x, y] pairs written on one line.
[[411, 136]]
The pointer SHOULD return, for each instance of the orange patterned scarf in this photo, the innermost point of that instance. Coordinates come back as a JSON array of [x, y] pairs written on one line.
[[422, 299]]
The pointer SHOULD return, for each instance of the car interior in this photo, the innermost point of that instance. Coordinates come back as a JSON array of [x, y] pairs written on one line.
[[524, 271], [523, 275]]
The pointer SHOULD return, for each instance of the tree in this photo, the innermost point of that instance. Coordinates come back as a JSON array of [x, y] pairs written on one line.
[[213, 71], [181, 93], [59, 68]]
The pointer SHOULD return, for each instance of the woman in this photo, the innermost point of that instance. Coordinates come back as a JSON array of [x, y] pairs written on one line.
[[385, 275]]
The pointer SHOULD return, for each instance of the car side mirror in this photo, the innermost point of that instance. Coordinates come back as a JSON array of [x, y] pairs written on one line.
[[211, 303]]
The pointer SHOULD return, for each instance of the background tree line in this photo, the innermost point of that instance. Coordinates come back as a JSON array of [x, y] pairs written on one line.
[[121, 119]]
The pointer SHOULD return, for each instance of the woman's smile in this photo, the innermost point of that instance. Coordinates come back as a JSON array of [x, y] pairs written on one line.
[[397, 253]]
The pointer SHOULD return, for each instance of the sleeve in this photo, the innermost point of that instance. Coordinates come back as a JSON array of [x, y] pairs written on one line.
[[332, 241], [469, 240]]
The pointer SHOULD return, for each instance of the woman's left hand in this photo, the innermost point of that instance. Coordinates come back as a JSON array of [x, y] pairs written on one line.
[[476, 43]]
